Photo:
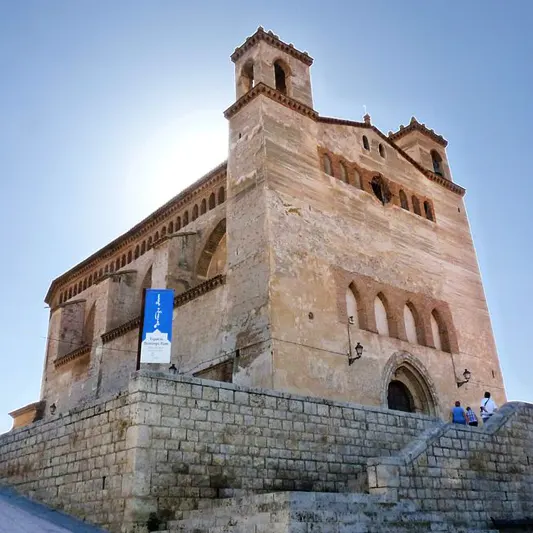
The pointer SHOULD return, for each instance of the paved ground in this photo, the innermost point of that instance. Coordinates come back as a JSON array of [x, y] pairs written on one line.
[[20, 515]]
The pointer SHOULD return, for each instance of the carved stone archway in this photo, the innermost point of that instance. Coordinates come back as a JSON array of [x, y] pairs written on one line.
[[407, 386], [216, 237]]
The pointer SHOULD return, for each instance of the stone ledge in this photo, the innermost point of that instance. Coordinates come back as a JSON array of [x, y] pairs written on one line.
[[74, 354], [179, 300]]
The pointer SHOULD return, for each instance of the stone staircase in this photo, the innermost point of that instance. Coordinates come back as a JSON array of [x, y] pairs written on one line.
[[311, 512]]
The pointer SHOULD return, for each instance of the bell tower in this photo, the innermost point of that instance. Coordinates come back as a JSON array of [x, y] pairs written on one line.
[[265, 59]]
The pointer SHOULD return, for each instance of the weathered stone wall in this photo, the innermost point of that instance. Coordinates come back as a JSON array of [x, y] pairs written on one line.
[[324, 233], [470, 474], [173, 443], [202, 440], [78, 463]]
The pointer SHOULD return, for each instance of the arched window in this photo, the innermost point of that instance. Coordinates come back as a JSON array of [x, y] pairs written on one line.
[[85, 284], [149, 246], [60, 298], [428, 210], [75, 291], [130, 257], [381, 150], [143, 247], [281, 77], [357, 179], [410, 318], [111, 267], [163, 231], [381, 190], [106, 269], [185, 218], [203, 207], [366, 146], [439, 331], [80, 286], [195, 212], [436, 159], [136, 254], [247, 77], [352, 306], [403, 200], [100, 274], [416, 205], [344, 173], [328, 169], [90, 280], [178, 223], [382, 318], [212, 201], [171, 227], [123, 260], [221, 195]]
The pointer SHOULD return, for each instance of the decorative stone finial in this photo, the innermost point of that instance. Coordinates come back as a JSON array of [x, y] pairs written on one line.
[[413, 121], [260, 28], [366, 118]]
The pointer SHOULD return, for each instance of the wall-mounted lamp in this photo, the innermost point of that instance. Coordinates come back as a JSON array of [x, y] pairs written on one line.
[[53, 408], [172, 369], [358, 353], [467, 375]]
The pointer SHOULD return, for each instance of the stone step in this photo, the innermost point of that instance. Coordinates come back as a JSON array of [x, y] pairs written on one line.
[[305, 512]]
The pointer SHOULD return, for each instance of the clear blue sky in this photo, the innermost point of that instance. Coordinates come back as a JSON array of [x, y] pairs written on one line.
[[108, 108]]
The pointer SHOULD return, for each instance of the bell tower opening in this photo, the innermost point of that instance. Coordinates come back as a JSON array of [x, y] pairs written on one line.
[[264, 60], [281, 77]]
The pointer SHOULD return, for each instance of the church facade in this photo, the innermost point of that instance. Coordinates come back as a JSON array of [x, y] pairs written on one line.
[[323, 258]]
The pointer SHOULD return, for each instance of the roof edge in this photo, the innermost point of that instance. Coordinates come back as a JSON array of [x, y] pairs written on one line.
[[153, 218], [272, 39]]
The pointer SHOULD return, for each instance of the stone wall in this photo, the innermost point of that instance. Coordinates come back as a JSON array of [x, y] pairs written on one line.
[[174, 443], [77, 463], [202, 439], [469, 474]]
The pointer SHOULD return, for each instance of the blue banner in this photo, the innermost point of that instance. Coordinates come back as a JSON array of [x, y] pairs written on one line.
[[156, 336]]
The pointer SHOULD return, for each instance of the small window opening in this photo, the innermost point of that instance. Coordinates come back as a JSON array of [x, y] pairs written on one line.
[[281, 82], [380, 189], [403, 201], [203, 207], [366, 146], [381, 150], [428, 210], [437, 162], [221, 195], [212, 201], [247, 76], [195, 212]]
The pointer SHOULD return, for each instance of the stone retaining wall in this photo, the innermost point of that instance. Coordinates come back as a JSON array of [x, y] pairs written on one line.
[[77, 463], [173, 443], [470, 474]]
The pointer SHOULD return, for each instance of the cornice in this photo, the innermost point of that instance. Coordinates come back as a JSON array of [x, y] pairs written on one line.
[[75, 354], [167, 209], [35, 406], [108, 336], [273, 94], [179, 300], [414, 125], [273, 40], [450, 185]]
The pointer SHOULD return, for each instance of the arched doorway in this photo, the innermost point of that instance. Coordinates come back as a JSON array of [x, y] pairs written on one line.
[[408, 387], [399, 397]]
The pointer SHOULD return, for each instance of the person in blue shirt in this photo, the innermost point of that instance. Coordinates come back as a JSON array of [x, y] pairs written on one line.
[[458, 414]]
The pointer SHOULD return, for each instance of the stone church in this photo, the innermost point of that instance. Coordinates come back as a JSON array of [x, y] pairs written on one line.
[[323, 258]]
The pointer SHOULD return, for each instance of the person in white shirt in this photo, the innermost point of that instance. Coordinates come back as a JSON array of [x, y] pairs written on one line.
[[487, 407]]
